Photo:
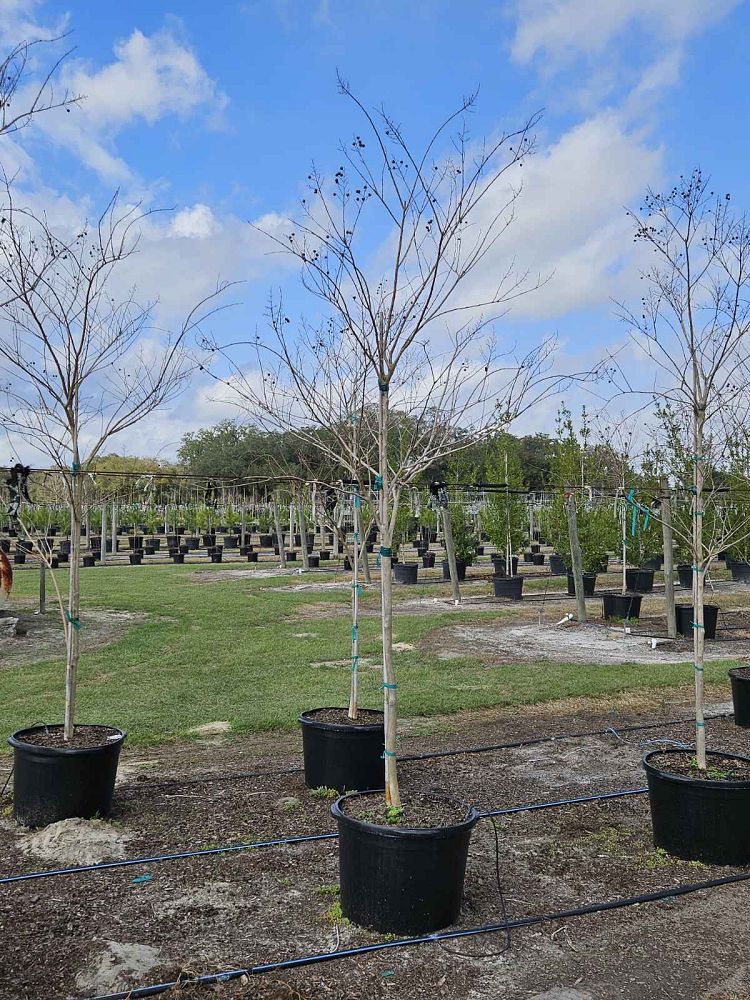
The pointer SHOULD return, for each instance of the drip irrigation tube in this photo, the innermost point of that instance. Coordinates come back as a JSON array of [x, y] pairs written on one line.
[[517, 924], [437, 754], [283, 841]]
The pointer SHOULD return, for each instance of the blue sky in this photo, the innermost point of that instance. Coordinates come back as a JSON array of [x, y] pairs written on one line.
[[216, 110]]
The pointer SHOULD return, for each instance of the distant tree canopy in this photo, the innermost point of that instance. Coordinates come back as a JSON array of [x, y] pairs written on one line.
[[240, 451], [237, 450]]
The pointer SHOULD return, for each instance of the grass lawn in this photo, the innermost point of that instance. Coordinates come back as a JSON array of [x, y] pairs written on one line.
[[228, 651]]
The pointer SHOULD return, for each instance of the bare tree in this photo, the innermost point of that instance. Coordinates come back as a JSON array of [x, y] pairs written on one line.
[[78, 364], [693, 326], [403, 370], [24, 93]]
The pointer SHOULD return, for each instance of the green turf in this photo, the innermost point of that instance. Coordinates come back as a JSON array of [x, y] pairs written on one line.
[[227, 651]]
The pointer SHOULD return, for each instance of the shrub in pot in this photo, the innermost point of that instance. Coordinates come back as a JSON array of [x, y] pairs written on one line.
[[505, 516]]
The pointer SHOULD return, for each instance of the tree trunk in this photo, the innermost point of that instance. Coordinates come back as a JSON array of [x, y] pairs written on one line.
[[699, 632], [365, 562], [666, 527], [575, 554], [302, 521], [390, 710], [279, 532], [74, 606], [114, 528], [624, 526], [42, 586], [103, 535], [354, 690], [243, 525], [450, 554]]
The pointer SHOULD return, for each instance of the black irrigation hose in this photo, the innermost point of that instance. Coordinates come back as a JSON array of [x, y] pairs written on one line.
[[284, 841], [520, 922], [434, 755]]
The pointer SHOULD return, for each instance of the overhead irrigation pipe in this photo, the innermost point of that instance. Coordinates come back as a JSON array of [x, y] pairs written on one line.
[[517, 924], [284, 841]]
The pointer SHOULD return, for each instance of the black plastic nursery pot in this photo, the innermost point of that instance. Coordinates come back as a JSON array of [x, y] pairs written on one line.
[[54, 783], [534, 547], [655, 563], [498, 564], [685, 619], [538, 559], [428, 560], [589, 582], [324, 555], [508, 586], [178, 558], [685, 575], [699, 819], [398, 880], [460, 569], [557, 565], [265, 541], [135, 558], [230, 541], [192, 543], [741, 696], [405, 572], [313, 561], [740, 571], [621, 605], [19, 557], [89, 561], [216, 557], [528, 557], [252, 557], [343, 756], [639, 581]]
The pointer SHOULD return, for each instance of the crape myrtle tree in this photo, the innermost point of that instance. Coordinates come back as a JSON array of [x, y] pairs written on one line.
[[79, 361], [693, 327], [388, 244]]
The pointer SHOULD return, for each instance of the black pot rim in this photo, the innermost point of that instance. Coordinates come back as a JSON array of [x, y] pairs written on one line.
[[694, 782], [63, 751], [733, 673], [499, 576], [339, 727], [396, 832], [408, 564], [706, 604]]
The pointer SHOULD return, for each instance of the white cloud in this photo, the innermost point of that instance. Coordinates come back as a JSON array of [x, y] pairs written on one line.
[[194, 223], [151, 77], [563, 30]]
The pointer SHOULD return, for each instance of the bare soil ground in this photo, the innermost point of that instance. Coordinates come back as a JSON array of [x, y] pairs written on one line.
[[44, 638], [82, 935]]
